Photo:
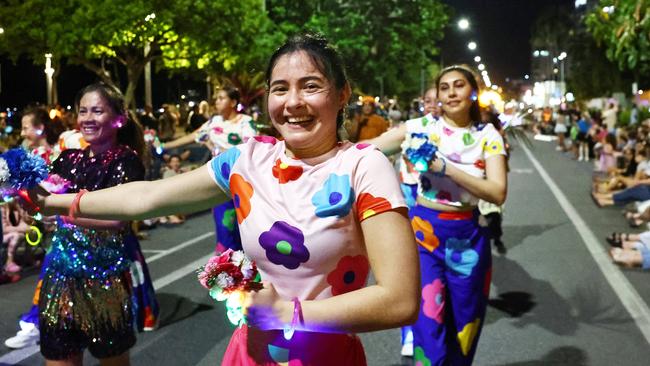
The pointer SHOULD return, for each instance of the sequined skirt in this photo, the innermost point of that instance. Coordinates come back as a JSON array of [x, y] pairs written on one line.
[[78, 313]]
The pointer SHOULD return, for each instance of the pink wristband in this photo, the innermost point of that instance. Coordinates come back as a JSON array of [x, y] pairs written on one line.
[[74, 206], [297, 317]]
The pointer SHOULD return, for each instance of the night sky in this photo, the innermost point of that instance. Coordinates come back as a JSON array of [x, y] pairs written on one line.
[[501, 28]]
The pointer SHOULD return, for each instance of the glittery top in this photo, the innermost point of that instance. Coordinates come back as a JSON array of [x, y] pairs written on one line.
[[90, 253]]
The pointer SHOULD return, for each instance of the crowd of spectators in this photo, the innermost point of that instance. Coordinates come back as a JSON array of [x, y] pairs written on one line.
[[620, 153]]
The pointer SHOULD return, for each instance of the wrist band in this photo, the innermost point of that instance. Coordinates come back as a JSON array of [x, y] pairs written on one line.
[[289, 329], [442, 171], [39, 236], [25, 197], [74, 206]]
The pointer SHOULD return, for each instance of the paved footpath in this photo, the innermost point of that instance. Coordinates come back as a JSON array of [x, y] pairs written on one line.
[[555, 300]]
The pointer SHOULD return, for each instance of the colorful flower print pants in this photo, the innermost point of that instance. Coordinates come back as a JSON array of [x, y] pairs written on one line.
[[455, 264]]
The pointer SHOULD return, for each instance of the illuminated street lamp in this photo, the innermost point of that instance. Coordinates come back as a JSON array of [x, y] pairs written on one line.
[[481, 67], [477, 59], [472, 46], [463, 24], [49, 71]]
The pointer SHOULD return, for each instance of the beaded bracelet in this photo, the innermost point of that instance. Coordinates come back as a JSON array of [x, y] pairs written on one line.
[[74, 206], [289, 329]]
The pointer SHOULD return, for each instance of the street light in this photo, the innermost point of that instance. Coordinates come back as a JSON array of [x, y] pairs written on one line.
[[477, 59], [463, 24], [481, 67], [49, 71], [472, 46]]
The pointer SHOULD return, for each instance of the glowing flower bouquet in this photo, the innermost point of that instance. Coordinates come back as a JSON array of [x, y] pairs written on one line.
[[419, 150], [229, 276], [151, 138]]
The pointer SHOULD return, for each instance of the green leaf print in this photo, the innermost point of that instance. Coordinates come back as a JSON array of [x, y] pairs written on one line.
[[228, 219], [468, 139]]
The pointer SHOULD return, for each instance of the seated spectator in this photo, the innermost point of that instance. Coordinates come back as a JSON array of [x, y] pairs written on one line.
[[630, 250], [14, 226], [626, 174]]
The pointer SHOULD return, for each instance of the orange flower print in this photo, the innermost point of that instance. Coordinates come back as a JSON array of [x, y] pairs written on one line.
[[350, 274], [242, 191], [424, 233], [369, 205], [285, 172]]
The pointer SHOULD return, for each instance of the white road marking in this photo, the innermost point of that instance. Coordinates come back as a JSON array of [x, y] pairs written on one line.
[[628, 295], [181, 272], [180, 246]]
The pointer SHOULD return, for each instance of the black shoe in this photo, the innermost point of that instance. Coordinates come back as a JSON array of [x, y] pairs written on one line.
[[501, 248]]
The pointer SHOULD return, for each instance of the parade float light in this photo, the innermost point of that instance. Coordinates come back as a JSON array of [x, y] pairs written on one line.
[[570, 97], [528, 97], [489, 97]]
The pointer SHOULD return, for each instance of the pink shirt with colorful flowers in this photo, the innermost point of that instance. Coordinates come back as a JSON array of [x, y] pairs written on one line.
[[300, 222], [466, 148]]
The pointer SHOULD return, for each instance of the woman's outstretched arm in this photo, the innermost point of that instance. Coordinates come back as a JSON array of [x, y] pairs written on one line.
[[389, 142], [189, 192]]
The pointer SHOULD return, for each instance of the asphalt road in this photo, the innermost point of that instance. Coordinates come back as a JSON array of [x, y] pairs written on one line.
[[556, 299]]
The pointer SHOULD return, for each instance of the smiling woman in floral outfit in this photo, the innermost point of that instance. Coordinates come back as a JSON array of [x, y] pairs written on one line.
[[314, 232]]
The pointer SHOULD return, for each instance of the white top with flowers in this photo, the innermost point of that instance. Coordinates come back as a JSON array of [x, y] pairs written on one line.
[[466, 148], [301, 223], [225, 134]]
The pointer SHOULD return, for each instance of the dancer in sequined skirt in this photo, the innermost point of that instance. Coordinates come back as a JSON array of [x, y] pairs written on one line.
[[86, 294]]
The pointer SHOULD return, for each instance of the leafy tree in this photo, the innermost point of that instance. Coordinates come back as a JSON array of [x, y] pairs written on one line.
[[623, 27], [385, 44], [180, 33]]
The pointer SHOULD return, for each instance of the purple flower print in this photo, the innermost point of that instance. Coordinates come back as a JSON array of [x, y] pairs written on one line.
[[284, 245]]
